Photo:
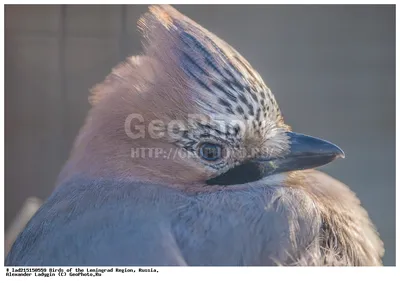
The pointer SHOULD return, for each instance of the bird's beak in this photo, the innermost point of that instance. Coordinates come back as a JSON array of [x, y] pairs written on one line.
[[305, 152]]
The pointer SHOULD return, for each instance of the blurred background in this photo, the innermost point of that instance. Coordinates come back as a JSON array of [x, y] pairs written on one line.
[[332, 69]]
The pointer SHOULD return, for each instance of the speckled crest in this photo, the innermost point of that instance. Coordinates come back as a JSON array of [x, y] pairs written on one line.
[[225, 82], [212, 78]]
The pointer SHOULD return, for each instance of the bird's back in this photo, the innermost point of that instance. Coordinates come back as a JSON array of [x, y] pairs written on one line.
[[104, 222], [97, 222]]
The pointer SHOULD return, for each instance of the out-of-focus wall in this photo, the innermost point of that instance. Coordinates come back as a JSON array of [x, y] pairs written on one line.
[[332, 69]]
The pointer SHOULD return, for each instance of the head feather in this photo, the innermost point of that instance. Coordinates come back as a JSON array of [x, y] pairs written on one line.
[[219, 79], [184, 70]]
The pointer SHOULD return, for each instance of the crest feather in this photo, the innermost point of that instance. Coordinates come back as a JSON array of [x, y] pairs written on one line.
[[135, 73], [194, 68], [220, 80]]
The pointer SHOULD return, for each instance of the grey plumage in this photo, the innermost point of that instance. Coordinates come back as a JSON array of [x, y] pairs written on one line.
[[104, 222], [110, 209]]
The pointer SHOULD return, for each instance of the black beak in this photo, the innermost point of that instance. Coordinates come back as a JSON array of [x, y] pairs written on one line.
[[305, 152]]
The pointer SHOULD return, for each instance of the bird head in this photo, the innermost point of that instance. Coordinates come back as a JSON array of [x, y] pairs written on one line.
[[207, 116]]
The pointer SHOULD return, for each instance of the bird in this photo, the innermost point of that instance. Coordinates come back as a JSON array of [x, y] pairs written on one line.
[[185, 159]]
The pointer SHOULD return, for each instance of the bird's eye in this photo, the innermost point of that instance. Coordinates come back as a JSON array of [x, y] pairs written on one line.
[[210, 151]]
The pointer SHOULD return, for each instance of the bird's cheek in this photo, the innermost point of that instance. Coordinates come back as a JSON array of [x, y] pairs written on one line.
[[189, 170]]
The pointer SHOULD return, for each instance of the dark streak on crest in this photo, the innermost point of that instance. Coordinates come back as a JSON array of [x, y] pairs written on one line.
[[193, 63], [224, 102], [239, 109], [229, 95]]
